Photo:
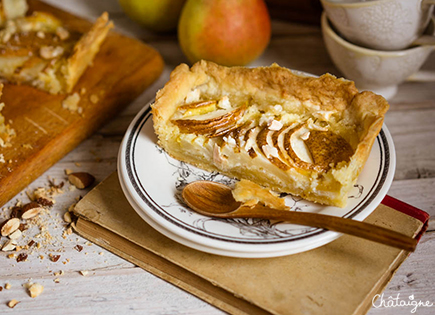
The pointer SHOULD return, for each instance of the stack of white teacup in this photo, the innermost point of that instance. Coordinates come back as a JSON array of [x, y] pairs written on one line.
[[378, 43]]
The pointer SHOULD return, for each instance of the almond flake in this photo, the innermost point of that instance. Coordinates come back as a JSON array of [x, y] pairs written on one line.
[[10, 226], [270, 151], [275, 125], [62, 33], [9, 245], [71, 102], [15, 235], [50, 52]]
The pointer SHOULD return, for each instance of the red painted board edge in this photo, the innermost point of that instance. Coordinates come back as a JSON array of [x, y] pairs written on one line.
[[407, 209]]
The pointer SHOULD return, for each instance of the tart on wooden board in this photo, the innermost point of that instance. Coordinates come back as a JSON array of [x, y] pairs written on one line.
[[37, 49]]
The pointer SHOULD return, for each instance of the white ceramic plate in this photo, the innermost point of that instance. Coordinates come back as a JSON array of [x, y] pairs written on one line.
[[152, 182]]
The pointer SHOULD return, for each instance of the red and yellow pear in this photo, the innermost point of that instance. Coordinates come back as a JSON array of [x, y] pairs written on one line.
[[228, 32]]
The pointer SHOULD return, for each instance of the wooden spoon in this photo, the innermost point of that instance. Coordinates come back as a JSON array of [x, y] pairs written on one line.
[[216, 200]]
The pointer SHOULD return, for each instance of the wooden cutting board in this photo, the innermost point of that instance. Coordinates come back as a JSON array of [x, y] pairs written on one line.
[[46, 131]]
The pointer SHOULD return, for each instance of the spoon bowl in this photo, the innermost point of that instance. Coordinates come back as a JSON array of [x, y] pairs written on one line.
[[215, 197], [216, 200]]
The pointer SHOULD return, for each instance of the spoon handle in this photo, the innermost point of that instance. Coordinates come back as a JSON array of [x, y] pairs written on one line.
[[342, 225]]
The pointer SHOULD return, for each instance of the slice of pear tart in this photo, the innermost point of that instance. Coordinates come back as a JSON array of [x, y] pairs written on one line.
[[296, 134], [39, 50]]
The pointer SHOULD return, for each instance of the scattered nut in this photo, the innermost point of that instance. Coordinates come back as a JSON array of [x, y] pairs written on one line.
[[10, 226], [84, 272], [31, 243], [58, 186], [50, 52], [15, 235], [35, 289], [54, 258], [44, 201], [62, 33], [67, 217], [13, 303], [8, 286], [81, 180], [30, 210], [71, 102], [40, 34], [79, 248], [22, 257], [68, 171], [15, 212], [9, 245]]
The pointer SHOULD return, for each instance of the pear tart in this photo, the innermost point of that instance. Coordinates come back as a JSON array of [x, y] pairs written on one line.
[[38, 50], [291, 133]]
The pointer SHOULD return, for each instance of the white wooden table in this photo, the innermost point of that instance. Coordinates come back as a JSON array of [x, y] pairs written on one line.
[[115, 286]]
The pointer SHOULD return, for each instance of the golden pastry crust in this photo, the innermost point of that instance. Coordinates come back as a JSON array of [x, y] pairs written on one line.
[[250, 194], [268, 144], [85, 50]]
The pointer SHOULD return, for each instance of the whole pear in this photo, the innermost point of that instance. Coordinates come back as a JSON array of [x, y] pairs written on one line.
[[156, 15], [228, 32]]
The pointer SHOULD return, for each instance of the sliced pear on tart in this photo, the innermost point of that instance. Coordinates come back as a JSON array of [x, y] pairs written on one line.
[[213, 124]]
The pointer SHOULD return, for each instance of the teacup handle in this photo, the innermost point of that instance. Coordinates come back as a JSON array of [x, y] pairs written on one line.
[[426, 40], [422, 76]]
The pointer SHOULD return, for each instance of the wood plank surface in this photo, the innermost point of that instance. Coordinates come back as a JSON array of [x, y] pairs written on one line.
[[123, 68], [114, 286]]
